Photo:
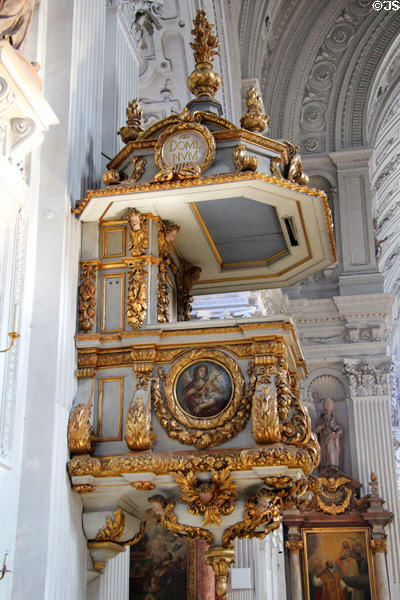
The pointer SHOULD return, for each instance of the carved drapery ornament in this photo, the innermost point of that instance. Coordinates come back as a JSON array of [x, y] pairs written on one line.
[[210, 499], [139, 434], [203, 81], [137, 293], [87, 295], [254, 119], [80, 432], [112, 531]]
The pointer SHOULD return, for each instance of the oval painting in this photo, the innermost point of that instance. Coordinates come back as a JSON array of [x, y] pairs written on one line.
[[204, 389]]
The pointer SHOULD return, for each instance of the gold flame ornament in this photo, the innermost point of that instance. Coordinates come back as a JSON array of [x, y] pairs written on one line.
[[203, 82]]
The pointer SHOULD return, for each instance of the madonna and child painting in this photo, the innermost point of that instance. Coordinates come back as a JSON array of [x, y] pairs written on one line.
[[204, 389]]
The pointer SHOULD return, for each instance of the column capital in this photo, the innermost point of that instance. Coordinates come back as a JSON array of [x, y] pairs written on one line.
[[294, 546], [379, 546]]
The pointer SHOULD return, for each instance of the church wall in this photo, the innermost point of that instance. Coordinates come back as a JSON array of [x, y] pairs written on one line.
[[50, 548]]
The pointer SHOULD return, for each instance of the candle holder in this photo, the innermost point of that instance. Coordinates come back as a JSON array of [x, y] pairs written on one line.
[[4, 569], [13, 335]]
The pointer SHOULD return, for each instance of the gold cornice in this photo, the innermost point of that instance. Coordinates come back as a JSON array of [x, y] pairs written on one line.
[[105, 358], [220, 178], [147, 139], [253, 138], [160, 463]]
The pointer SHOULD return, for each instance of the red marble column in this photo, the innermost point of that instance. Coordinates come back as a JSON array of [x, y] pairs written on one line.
[[205, 578]]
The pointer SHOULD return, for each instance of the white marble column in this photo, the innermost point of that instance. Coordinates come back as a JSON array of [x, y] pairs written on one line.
[[295, 547], [379, 549], [113, 583], [265, 559], [373, 451]]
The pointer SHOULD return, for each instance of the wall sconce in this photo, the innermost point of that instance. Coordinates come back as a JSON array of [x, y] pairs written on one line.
[[13, 334], [4, 569]]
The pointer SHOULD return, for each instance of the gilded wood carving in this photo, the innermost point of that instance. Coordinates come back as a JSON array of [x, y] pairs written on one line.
[[211, 499], [137, 294], [112, 531], [138, 232], [203, 402], [139, 434], [80, 432], [87, 296]]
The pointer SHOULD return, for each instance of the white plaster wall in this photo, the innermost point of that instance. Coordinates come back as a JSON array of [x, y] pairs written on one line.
[[50, 548]]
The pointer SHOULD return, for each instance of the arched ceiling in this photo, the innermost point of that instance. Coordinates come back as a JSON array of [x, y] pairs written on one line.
[[317, 64]]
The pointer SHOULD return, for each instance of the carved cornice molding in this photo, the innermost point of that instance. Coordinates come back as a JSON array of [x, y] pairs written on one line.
[[161, 463]]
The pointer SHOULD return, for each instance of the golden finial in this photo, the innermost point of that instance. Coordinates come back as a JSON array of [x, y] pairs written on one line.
[[134, 119], [203, 82], [254, 119]]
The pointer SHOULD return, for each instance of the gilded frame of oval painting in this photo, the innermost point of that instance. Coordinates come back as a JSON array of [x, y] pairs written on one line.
[[185, 127], [201, 358]]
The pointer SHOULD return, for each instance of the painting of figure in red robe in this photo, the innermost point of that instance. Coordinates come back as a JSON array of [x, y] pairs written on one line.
[[337, 564]]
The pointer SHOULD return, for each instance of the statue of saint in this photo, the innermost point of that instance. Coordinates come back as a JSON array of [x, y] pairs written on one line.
[[330, 436]]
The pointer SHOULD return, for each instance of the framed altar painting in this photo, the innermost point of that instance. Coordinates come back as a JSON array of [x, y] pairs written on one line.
[[338, 564], [162, 565]]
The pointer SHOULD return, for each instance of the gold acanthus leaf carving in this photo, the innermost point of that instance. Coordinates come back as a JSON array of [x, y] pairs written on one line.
[[137, 295], [139, 434], [254, 119], [112, 531], [87, 296], [243, 162], [80, 432], [138, 232], [209, 499], [261, 511], [264, 417], [163, 510]]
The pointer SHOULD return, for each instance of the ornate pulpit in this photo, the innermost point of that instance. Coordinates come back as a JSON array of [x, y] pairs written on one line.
[[199, 422]]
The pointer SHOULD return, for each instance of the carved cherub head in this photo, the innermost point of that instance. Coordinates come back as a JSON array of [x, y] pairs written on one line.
[[134, 220]]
